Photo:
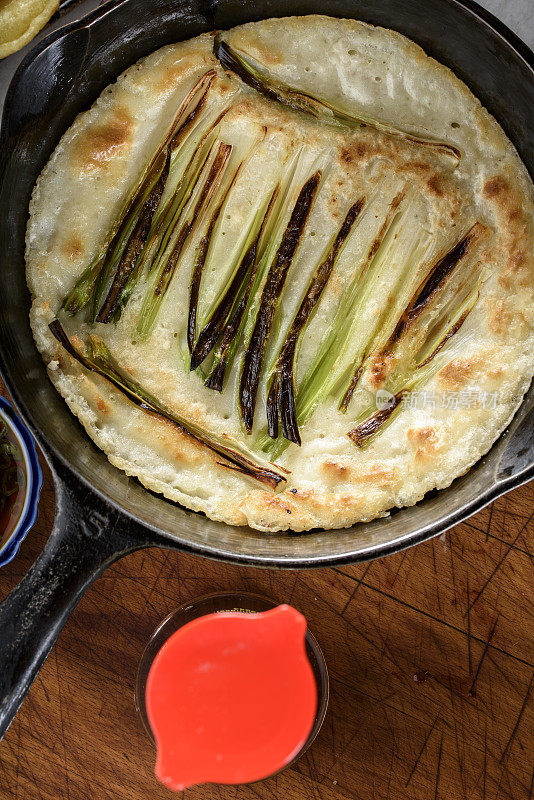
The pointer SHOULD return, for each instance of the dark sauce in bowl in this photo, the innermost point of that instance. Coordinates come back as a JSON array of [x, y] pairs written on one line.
[[12, 482]]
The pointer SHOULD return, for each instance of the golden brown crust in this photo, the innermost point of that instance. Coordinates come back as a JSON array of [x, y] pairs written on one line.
[[103, 142], [334, 469], [72, 247], [457, 373], [426, 443]]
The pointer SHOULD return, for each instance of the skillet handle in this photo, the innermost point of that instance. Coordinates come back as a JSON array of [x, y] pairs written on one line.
[[86, 538]]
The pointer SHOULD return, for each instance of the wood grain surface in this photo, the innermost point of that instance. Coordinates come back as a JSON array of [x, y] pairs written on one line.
[[430, 652]]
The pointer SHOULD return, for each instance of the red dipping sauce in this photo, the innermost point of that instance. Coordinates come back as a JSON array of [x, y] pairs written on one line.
[[231, 697]]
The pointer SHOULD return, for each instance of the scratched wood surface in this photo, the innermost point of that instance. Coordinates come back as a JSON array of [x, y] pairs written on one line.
[[430, 652]]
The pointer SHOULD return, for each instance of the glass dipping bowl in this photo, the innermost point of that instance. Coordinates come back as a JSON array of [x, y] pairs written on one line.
[[11, 540], [228, 601]]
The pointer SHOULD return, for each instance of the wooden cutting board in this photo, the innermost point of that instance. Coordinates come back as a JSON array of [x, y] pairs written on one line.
[[431, 658]]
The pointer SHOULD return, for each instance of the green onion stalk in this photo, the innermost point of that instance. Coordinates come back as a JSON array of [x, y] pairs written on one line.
[[235, 456]]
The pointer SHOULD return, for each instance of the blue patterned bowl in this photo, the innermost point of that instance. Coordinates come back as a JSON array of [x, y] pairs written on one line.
[[34, 481]]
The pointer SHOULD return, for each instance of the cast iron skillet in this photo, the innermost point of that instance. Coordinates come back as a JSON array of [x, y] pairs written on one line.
[[100, 513]]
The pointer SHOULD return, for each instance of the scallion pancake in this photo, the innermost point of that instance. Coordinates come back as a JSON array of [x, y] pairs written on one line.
[[289, 272]]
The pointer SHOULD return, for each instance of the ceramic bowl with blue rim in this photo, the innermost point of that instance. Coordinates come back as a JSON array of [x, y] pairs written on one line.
[[20, 482]]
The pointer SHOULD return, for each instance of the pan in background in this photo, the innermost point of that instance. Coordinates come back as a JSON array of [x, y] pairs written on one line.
[[101, 514]]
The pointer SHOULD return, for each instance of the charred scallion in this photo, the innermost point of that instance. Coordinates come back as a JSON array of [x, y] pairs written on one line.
[[257, 77], [191, 158], [428, 341], [186, 161], [372, 423], [134, 246], [443, 294], [233, 323], [280, 398], [123, 226], [335, 354], [234, 455], [436, 280], [449, 321], [411, 251], [274, 284], [362, 434], [125, 264], [165, 226], [193, 215], [240, 277], [411, 376], [196, 277], [234, 266], [240, 321], [190, 147]]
